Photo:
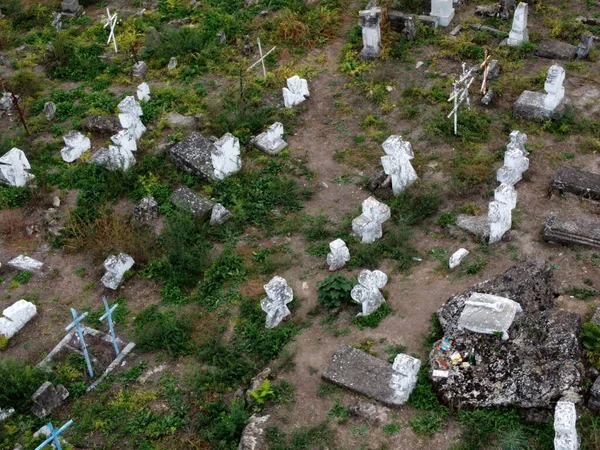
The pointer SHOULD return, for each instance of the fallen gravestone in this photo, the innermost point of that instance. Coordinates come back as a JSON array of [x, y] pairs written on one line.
[[271, 141], [76, 144], [279, 294], [25, 263], [116, 266], [535, 105], [565, 426], [188, 200], [14, 168], [552, 49], [367, 375], [488, 314], [47, 398], [15, 317], [578, 182], [101, 124], [578, 230], [219, 215], [114, 158], [457, 257], [534, 367]]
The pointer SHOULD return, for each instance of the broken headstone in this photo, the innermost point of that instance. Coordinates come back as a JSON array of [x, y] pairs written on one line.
[[578, 182], [219, 214], [114, 158], [488, 314], [25, 263], [457, 257], [518, 33], [188, 200], [15, 317], [116, 266], [397, 164], [553, 49], [369, 224], [139, 69], [339, 255], [534, 105], [271, 141], [14, 168], [76, 144], [279, 294], [370, 22], [295, 92], [443, 11], [143, 92], [47, 398], [576, 230]]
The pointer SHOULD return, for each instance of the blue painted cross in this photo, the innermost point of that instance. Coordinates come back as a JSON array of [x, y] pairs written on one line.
[[108, 315], [77, 325], [53, 438]]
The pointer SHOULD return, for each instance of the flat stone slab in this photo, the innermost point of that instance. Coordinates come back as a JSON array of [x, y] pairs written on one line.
[[553, 49], [476, 225], [365, 374], [15, 317], [25, 263], [580, 230], [578, 182], [188, 200], [530, 105]]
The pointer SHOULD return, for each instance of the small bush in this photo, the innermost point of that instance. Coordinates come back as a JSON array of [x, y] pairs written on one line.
[[23, 277], [446, 219], [18, 382], [14, 197], [334, 290], [373, 319], [590, 339], [156, 330]]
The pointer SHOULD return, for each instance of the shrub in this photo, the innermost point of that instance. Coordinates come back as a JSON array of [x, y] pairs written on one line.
[[427, 423], [14, 197], [412, 207], [590, 339], [446, 219], [373, 319], [156, 330], [18, 382], [67, 60], [334, 290], [25, 84]]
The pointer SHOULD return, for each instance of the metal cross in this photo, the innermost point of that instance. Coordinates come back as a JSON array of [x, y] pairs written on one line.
[[77, 325], [486, 70], [56, 20], [53, 438], [108, 315], [460, 93], [262, 58], [111, 21]]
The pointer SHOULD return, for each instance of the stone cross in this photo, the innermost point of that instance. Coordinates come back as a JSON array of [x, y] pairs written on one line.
[[397, 164], [565, 426], [143, 92], [49, 110], [404, 377], [369, 224], [226, 157], [485, 65], [367, 291], [111, 22], [14, 168], [515, 160], [56, 20], [554, 87], [295, 92], [500, 212], [108, 316], [370, 22], [131, 111], [76, 144], [279, 294], [443, 11], [261, 60], [518, 34], [339, 255], [460, 93], [77, 325], [54, 434]]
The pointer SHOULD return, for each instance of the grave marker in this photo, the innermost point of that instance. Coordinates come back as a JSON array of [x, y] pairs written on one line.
[[111, 22], [54, 434], [460, 93], [261, 60], [397, 164], [367, 291], [108, 316], [77, 325]]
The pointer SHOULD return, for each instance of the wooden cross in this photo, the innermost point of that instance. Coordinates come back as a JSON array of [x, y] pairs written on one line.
[[262, 58], [77, 325], [460, 93], [485, 65], [111, 21], [54, 434]]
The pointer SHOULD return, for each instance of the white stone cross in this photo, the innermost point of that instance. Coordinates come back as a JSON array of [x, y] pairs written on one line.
[[261, 60], [460, 93], [397, 164], [279, 294], [76, 144], [295, 92], [14, 168], [367, 291], [56, 20], [369, 224], [339, 255], [226, 156], [111, 22], [515, 160]]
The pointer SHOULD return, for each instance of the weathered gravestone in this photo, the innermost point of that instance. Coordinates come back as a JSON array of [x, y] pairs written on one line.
[[172, 64], [49, 110], [15, 317], [367, 293], [145, 212], [271, 141], [129, 117], [76, 144], [219, 214], [518, 34], [208, 159], [47, 398], [515, 160], [188, 200], [139, 69], [339, 255], [576, 230], [397, 164], [489, 314], [6, 101], [254, 435], [537, 364], [369, 225], [443, 11], [578, 182], [534, 105], [295, 92], [143, 92], [565, 426], [367, 375], [586, 43], [22, 262], [14, 168], [553, 49], [279, 294], [114, 158], [457, 257], [71, 8], [126, 140], [594, 401], [116, 266], [101, 124], [370, 22]]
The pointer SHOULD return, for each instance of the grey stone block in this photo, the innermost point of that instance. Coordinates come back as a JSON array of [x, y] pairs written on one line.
[[553, 49], [579, 230], [594, 401], [530, 105], [193, 154], [188, 200], [578, 182], [47, 398]]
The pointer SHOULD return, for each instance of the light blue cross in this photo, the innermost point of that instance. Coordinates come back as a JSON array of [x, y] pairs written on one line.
[[53, 438], [108, 315], [77, 325]]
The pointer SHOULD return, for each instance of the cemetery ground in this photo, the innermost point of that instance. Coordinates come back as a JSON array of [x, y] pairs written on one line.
[[191, 302]]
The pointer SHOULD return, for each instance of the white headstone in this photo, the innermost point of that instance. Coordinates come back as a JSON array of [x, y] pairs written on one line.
[[555, 91], [143, 92], [133, 125], [271, 141], [25, 263], [295, 92], [457, 257], [125, 139], [505, 193], [129, 105], [116, 266], [226, 156], [370, 22], [397, 164], [499, 219], [369, 224], [172, 64], [515, 164], [14, 168], [488, 314], [114, 157], [15, 317], [367, 291], [49, 110], [518, 34], [404, 378], [565, 426], [443, 10], [76, 144], [339, 255], [279, 294]]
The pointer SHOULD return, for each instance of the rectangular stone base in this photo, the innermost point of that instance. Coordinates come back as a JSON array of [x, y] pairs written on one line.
[[578, 182], [530, 105], [579, 230]]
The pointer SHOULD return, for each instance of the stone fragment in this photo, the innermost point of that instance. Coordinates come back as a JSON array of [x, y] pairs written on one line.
[[553, 49], [506, 8], [493, 69], [367, 375], [177, 120], [47, 398], [143, 92], [565, 426], [488, 10], [443, 10], [113, 158], [139, 69], [253, 436], [212, 161], [586, 43], [370, 22], [476, 225], [279, 294], [145, 212], [369, 224], [172, 64], [219, 214], [367, 293], [295, 92], [488, 98], [371, 413], [488, 314], [129, 118], [188, 200], [25, 263], [457, 257], [116, 266], [533, 105], [6, 101], [518, 34], [578, 182], [15, 317], [397, 164], [271, 141], [14, 168], [49, 110], [126, 140], [101, 124], [576, 230], [71, 7], [221, 37], [515, 160], [339, 255], [499, 220], [428, 21], [76, 144], [594, 401]]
